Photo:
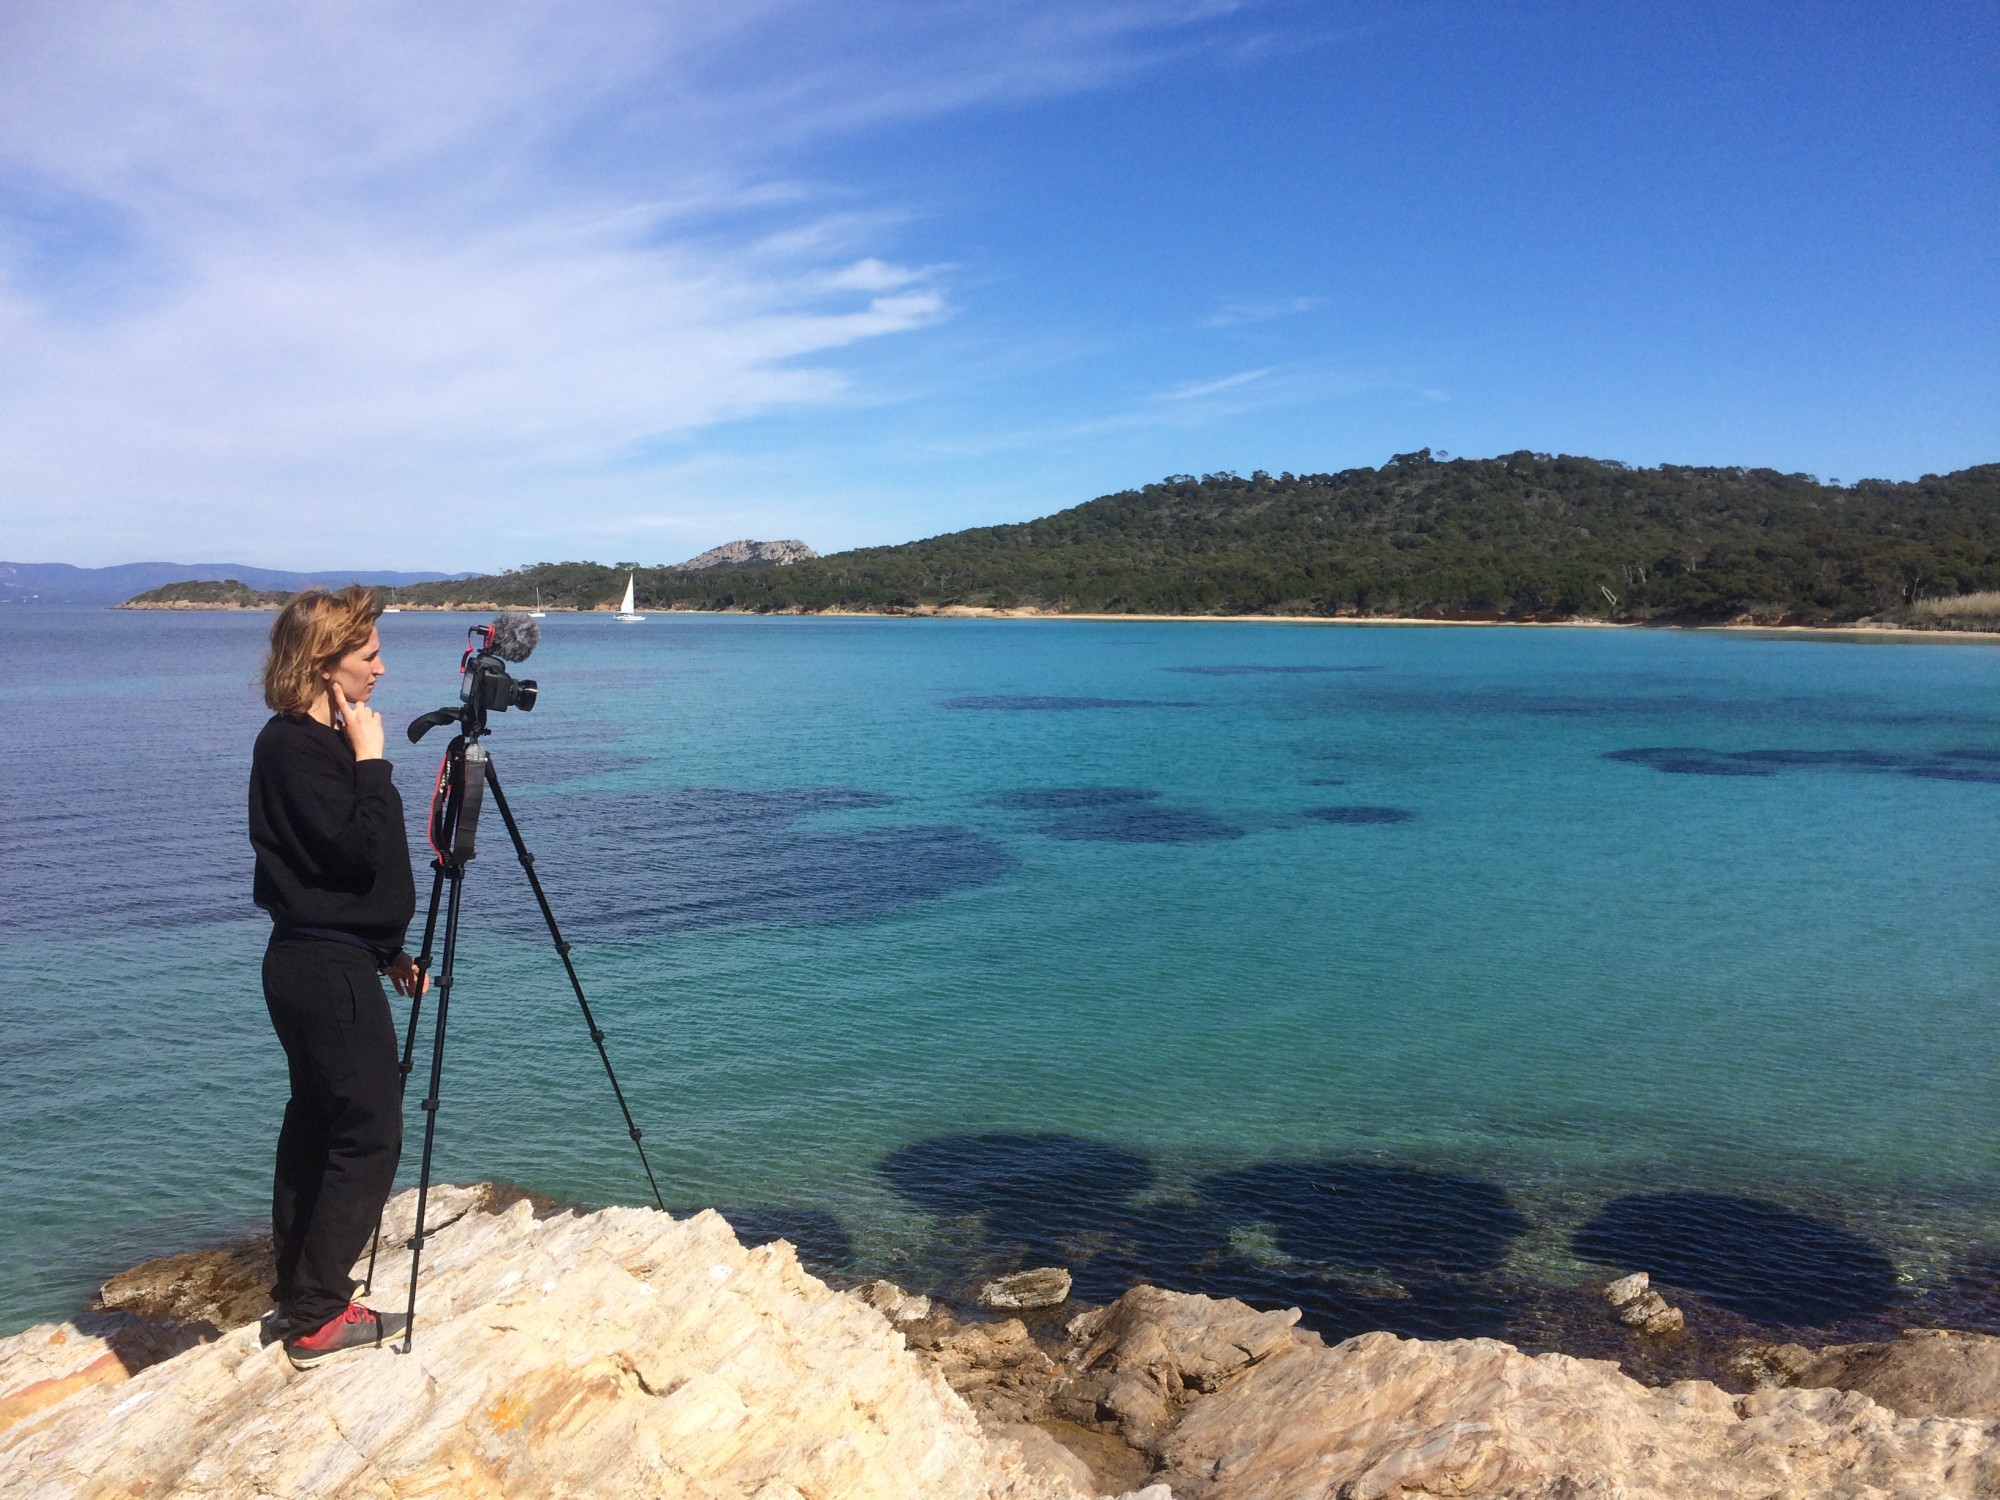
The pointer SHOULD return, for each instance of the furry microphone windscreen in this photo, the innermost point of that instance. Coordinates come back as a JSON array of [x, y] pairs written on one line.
[[515, 637]]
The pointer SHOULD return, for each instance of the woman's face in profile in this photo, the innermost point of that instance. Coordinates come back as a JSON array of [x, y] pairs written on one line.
[[355, 673]]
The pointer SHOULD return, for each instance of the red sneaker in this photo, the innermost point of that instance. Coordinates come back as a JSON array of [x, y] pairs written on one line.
[[357, 1328]]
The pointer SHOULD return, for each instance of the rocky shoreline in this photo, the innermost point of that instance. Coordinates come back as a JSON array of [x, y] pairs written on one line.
[[626, 1352]]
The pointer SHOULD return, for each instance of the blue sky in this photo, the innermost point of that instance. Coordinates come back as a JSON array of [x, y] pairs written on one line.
[[464, 285]]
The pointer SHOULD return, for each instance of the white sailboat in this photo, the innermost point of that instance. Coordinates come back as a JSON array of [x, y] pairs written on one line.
[[626, 615], [538, 613]]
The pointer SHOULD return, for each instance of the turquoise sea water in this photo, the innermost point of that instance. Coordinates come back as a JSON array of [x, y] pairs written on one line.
[[1384, 971]]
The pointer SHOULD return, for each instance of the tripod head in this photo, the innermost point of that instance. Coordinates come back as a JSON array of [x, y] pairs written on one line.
[[437, 718], [484, 685]]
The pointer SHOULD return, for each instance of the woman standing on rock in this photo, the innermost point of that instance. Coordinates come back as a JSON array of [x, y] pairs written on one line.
[[333, 870]]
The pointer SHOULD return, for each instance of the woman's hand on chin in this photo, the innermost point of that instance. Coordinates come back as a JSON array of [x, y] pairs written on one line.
[[361, 724]]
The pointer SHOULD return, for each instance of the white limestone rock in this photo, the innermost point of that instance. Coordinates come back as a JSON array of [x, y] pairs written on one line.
[[618, 1353], [1626, 1290], [1650, 1314], [1382, 1418], [1136, 1363], [1641, 1307], [625, 1353], [45, 1365], [893, 1303], [1924, 1372]]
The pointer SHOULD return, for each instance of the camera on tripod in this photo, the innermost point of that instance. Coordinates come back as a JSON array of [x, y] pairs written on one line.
[[484, 685], [465, 779]]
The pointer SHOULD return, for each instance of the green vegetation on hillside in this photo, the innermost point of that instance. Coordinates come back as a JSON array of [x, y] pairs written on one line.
[[198, 593], [1526, 536]]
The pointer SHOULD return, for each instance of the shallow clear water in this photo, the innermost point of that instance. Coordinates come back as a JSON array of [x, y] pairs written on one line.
[[1378, 970]]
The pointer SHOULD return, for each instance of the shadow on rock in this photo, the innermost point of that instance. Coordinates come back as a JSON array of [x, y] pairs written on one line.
[[1768, 1263]]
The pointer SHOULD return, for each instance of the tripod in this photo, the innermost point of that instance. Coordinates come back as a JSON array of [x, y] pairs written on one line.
[[465, 777]]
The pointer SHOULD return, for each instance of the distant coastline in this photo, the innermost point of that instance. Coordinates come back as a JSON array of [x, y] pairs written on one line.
[[34, 584], [1872, 629], [1526, 539]]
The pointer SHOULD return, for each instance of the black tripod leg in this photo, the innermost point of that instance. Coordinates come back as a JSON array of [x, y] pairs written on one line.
[[423, 967], [410, 1038], [562, 951], [430, 1105]]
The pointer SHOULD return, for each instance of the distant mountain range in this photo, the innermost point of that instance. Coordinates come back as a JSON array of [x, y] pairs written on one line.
[[60, 583]]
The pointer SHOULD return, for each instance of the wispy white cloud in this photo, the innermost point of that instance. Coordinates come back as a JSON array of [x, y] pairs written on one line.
[[1213, 387], [330, 277], [1235, 312]]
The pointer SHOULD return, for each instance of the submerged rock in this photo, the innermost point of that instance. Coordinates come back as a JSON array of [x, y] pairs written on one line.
[[1640, 1307], [1627, 1289], [1043, 1286]]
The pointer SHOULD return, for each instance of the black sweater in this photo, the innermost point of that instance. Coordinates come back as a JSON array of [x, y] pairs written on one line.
[[328, 831]]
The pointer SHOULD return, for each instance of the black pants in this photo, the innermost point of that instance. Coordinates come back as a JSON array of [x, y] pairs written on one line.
[[343, 1130]]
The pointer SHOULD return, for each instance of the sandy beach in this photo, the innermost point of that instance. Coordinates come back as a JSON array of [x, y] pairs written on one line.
[[1869, 629]]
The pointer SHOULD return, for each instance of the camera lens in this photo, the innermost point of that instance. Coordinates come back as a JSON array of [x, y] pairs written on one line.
[[524, 693]]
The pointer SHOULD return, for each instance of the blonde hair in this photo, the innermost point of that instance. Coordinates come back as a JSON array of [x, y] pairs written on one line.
[[312, 632]]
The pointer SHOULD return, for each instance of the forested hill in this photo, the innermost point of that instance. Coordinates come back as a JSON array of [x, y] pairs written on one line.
[[1525, 536]]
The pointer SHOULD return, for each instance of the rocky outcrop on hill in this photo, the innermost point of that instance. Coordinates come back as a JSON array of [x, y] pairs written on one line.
[[627, 1353], [748, 554]]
